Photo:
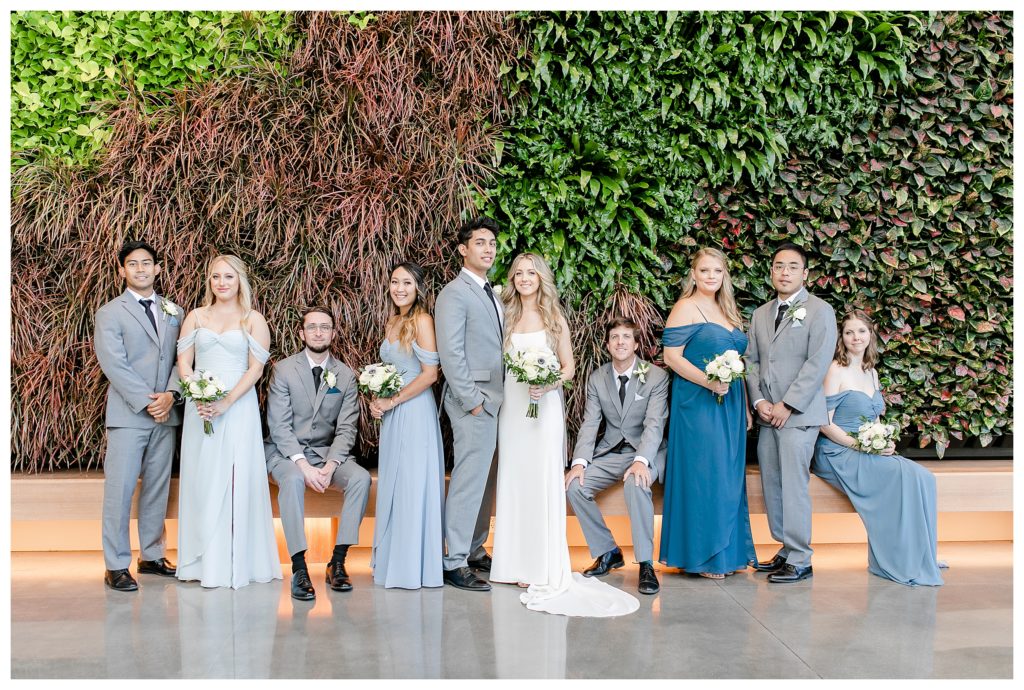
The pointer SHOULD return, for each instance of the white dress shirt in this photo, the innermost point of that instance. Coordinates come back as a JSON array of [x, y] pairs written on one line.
[[480, 281], [152, 307]]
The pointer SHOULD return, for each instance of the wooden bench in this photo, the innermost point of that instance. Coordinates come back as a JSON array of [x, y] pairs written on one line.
[[963, 486]]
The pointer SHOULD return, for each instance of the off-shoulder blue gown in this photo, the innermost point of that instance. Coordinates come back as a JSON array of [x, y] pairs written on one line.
[[894, 497], [705, 527], [410, 483]]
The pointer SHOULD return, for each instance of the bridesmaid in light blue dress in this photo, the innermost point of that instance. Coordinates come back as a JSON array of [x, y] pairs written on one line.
[[410, 484], [225, 525], [894, 496], [705, 528]]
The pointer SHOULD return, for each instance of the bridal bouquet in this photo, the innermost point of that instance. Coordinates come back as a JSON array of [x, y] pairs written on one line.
[[202, 387], [381, 380], [726, 367], [874, 437], [534, 366]]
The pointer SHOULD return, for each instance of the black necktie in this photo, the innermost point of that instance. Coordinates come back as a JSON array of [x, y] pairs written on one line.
[[317, 371], [145, 305], [623, 380], [782, 314], [490, 296]]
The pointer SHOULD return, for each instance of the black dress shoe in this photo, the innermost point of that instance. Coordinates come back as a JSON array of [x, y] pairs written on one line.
[[483, 563], [302, 588], [160, 566], [776, 563], [120, 580], [605, 562], [463, 578], [337, 578], [790, 573], [648, 580]]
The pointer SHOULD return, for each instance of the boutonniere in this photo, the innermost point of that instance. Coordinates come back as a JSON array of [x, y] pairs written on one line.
[[168, 307], [329, 378], [797, 312], [641, 371], [496, 289]]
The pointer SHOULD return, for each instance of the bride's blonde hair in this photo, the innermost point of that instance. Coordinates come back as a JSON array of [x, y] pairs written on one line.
[[548, 302]]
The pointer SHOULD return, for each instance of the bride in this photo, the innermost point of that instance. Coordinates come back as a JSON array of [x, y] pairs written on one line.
[[530, 547], [225, 526]]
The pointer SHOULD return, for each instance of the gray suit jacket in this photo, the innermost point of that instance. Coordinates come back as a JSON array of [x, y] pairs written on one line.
[[135, 360], [469, 344], [790, 364], [320, 424], [640, 420]]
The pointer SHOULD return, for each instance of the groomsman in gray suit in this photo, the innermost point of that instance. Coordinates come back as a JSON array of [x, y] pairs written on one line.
[[630, 397], [313, 415], [469, 343], [792, 340], [135, 342]]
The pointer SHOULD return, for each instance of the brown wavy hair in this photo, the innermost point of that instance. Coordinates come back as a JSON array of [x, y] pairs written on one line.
[[548, 302], [407, 323], [725, 297], [870, 352]]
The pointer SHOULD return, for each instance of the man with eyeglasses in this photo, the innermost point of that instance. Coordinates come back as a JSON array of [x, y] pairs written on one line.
[[792, 339], [313, 417]]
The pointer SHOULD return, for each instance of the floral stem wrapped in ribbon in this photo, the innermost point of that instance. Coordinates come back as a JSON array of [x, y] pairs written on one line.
[[380, 380], [876, 436], [726, 367], [203, 387], [534, 366]]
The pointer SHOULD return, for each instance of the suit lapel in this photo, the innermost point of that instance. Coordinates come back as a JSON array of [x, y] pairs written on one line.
[[631, 394], [613, 389], [782, 325], [484, 300], [800, 298], [135, 309], [305, 375]]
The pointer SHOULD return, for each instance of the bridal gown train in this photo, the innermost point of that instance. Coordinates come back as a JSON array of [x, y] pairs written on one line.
[[529, 525], [225, 525]]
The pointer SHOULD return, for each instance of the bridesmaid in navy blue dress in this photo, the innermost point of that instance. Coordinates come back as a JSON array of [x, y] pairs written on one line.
[[705, 527], [894, 497], [410, 484]]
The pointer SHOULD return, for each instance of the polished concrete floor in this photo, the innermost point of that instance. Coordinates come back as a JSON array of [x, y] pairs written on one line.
[[843, 623]]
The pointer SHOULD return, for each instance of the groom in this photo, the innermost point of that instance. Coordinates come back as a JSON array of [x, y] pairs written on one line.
[[629, 396], [792, 340], [469, 342], [135, 342], [313, 417]]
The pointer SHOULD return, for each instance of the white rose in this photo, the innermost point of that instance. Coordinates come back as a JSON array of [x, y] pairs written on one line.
[[878, 443], [737, 366], [496, 289], [195, 390], [800, 313], [731, 355], [330, 378], [378, 378], [532, 372]]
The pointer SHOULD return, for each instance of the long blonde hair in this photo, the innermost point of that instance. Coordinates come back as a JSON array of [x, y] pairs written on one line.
[[548, 302], [244, 289], [724, 297], [407, 324]]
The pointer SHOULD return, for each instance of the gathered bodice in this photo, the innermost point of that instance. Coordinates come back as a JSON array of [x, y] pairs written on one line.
[[521, 341], [704, 341], [408, 364], [225, 354], [852, 407]]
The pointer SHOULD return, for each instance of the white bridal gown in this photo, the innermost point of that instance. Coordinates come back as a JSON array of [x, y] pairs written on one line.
[[529, 524]]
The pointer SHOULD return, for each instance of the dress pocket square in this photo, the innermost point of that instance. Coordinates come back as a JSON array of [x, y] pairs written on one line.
[[637, 396], [332, 391], [797, 324]]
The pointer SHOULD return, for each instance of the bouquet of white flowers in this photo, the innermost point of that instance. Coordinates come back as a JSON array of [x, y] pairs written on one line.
[[875, 436], [534, 366], [202, 387], [726, 367], [381, 380]]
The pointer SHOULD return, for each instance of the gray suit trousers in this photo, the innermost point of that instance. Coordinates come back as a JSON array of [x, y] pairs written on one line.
[[467, 509], [349, 478], [134, 453], [599, 475], [785, 459]]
